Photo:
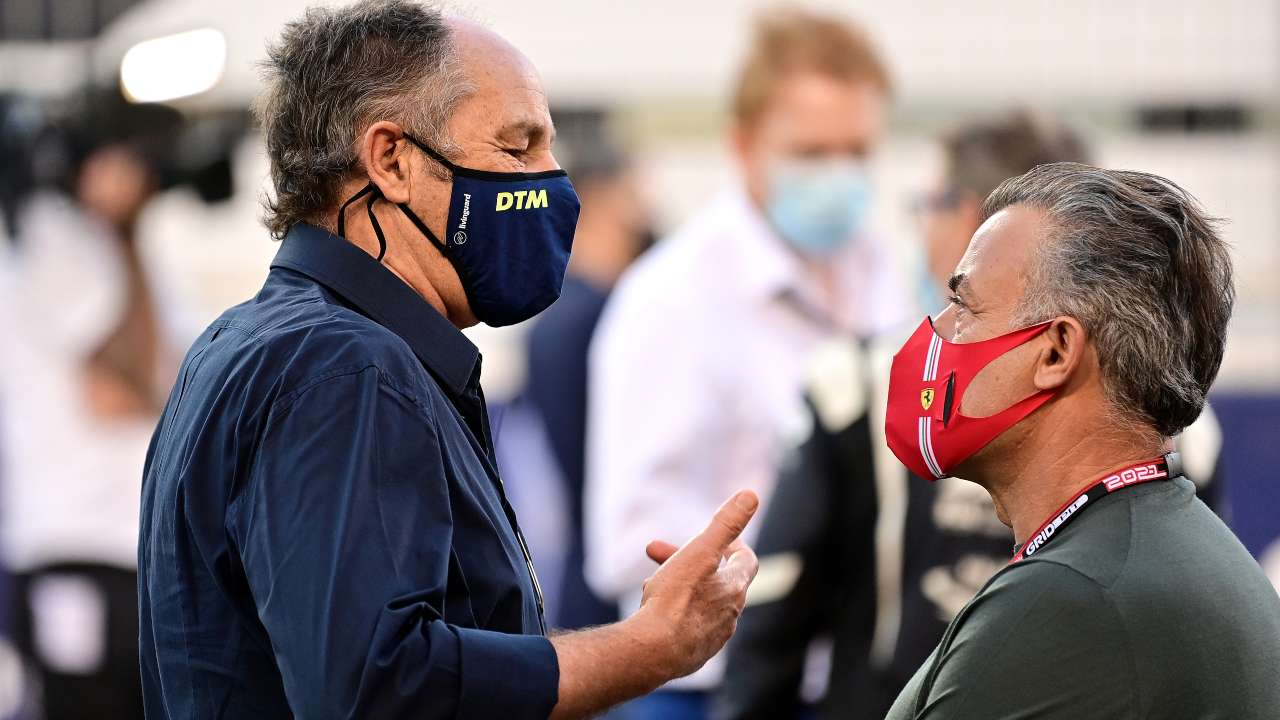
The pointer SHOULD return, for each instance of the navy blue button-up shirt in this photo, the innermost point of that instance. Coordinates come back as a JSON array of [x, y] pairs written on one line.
[[324, 533]]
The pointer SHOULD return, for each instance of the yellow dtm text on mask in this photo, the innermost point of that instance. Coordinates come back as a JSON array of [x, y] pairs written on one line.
[[522, 200]]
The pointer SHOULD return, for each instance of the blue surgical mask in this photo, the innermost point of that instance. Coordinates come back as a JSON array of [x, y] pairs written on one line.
[[508, 235], [818, 206]]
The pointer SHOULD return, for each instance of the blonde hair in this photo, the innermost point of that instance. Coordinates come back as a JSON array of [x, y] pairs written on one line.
[[791, 40]]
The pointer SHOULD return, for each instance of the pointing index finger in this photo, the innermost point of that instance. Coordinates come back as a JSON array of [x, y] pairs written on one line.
[[728, 523]]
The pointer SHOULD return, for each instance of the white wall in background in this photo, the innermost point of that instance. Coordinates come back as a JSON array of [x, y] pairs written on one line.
[[1028, 50]]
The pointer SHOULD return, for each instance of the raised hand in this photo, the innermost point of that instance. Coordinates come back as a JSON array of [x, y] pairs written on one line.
[[699, 590]]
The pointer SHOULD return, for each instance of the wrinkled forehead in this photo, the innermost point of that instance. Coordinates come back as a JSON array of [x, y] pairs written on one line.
[[999, 259], [506, 87]]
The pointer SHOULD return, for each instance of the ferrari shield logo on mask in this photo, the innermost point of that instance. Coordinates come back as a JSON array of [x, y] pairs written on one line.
[[926, 398]]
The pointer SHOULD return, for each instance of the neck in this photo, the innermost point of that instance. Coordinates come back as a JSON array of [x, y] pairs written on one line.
[[405, 259], [1054, 462]]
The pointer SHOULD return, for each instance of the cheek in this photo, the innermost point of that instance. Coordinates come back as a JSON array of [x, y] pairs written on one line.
[[1001, 384], [435, 201]]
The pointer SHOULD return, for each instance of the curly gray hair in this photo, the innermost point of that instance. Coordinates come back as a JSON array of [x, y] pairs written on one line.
[[333, 73]]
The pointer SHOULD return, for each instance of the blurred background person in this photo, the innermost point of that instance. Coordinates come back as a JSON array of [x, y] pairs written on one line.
[[614, 227], [84, 367], [863, 555], [698, 363], [977, 157]]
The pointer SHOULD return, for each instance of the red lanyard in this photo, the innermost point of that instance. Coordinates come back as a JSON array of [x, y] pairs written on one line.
[[1161, 468]]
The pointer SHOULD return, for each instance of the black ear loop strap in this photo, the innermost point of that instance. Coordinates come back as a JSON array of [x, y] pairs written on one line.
[[422, 228], [373, 220], [342, 211], [432, 153], [374, 193]]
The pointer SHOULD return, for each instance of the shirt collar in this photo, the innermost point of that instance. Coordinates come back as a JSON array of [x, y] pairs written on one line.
[[377, 293], [771, 272], [768, 268]]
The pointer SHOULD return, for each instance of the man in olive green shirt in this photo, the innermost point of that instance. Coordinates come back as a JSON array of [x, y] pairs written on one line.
[[1087, 326]]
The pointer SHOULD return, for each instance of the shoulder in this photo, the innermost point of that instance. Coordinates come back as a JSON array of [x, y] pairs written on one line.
[[1123, 538], [1033, 607], [1024, 592], [1099, 545], [1040, 634], [291, 341], [1023, 584]]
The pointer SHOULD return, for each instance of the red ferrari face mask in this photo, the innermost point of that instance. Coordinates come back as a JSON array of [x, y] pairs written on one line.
[[923, 423]]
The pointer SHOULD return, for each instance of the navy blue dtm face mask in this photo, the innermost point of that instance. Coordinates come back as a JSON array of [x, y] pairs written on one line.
[[508, 235]]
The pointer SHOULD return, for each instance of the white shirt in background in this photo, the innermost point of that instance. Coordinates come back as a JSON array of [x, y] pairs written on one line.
[[696, 381], [70, 483]]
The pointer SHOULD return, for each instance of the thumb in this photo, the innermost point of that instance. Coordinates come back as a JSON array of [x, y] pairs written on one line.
[[727, 524]]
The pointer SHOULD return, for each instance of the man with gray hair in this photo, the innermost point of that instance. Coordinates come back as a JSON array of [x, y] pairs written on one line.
[[323, 532], [1086, 326]]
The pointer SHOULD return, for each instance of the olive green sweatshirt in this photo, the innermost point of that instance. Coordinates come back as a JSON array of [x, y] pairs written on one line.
[[1146, 606]]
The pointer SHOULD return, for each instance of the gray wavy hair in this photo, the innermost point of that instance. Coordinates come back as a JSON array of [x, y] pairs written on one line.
[[333, 73], [1134, 258]]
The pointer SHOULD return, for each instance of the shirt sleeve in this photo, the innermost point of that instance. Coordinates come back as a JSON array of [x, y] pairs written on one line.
[[345, 535], [1043, 641], [652, 440]]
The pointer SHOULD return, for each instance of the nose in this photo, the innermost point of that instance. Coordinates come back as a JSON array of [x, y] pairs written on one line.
[[541, 164], [944, 323]]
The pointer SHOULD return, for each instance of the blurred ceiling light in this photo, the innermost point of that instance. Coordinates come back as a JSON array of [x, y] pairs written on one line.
[[173, 66]]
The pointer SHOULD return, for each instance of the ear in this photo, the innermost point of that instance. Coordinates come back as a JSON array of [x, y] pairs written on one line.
[[1061, 357], [385, 156]]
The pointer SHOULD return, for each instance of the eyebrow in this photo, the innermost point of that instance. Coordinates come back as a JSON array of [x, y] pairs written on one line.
[[530, 129], [957, 281]]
